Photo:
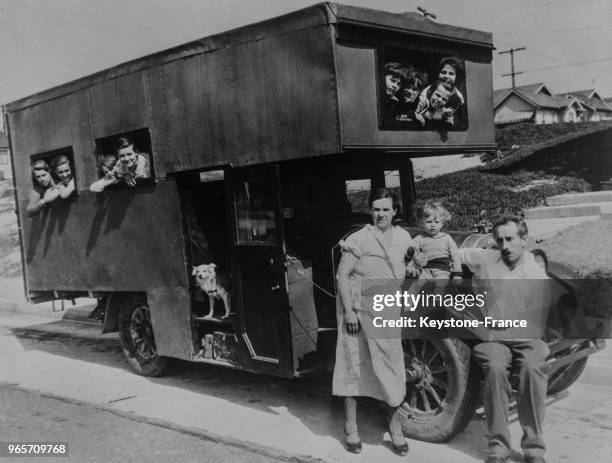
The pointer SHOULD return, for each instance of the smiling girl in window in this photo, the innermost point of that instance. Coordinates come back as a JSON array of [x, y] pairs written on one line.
[[63, 171], [44, 189]]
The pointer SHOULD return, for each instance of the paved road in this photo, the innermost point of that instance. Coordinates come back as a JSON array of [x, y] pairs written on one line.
[[275, 417], [95, 435]]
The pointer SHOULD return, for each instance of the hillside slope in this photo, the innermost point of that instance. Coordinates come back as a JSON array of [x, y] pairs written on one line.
[[529, 139]]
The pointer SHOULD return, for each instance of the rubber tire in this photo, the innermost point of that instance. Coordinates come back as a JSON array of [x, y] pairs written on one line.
[[153, 366], [566, 376], [461, 400]]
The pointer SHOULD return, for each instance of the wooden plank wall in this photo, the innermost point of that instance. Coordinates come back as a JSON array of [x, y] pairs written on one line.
[[358, 81], [262, 101]]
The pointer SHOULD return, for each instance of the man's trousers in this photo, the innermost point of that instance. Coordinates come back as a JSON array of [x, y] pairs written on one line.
[[496, 358]]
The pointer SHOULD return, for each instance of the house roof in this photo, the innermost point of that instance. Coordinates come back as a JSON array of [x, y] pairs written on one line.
[[589, 93], [537, 95], [591, 98], [500, 95], [567, 101], [533, 88]]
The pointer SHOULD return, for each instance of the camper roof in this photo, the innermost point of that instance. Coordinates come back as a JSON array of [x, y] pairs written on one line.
[[313, 16]]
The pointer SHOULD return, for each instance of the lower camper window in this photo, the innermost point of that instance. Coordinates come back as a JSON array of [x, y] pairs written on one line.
[[52, 179], [123, 159]]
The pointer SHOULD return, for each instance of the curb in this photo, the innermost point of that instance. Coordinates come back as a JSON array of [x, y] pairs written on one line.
[[559, 212], [579, 198], [275, 454]]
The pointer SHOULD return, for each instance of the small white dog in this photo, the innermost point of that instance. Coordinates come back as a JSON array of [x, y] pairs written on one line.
[[215, 286]]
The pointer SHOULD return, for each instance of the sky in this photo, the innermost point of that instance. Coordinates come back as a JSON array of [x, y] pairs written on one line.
[[44, 43]]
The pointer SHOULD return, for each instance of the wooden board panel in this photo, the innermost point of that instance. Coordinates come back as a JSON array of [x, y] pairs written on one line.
[[121, 240], [264, 101], [357, 76], [60, 123]]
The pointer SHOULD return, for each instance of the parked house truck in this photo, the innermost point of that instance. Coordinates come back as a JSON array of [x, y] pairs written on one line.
[[253, 136]]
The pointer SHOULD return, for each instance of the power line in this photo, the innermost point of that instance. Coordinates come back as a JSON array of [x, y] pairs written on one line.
[[536, 52], [566, 65]]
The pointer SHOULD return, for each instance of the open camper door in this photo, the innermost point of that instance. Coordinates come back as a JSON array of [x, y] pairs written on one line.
[[259, 260]]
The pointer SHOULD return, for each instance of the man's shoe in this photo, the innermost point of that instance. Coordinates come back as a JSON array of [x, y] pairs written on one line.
[[535, 460], [496, 459]]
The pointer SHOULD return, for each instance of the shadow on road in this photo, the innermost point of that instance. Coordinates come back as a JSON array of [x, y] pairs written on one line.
[[308, 400]]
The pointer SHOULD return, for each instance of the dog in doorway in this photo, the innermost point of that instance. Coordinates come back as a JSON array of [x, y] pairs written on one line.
[[216, 286]]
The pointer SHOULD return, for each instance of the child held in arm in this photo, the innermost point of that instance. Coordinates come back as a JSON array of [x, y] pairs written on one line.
[[436, 256]]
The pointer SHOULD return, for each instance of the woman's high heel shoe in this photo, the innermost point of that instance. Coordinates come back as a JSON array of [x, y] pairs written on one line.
[[401, 449], [395, 432], [355, 445]]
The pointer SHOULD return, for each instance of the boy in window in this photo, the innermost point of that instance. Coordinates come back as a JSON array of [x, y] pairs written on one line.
[[433, 103], [131, 164], [128, 165]]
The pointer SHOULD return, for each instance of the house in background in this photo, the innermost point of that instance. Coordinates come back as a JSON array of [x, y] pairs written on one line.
[[536, 103], [599, 110], [533, 102], [571, 109], [5, 160]]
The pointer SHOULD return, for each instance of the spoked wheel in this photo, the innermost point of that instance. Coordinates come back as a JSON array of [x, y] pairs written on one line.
[[562, 378], [136, 336], [442, 388]]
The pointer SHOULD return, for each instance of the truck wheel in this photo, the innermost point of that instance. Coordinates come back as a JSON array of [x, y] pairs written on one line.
[[565, 376], [442, 388], [136, 336]]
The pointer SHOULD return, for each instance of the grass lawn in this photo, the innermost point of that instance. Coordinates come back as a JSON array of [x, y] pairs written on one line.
[[529, 138], [587, 249], [468, 192]]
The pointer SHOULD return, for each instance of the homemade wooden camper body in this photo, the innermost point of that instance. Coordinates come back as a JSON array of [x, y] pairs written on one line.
[[252, 135]]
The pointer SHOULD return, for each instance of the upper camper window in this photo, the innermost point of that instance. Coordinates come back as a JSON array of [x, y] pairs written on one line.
[[52, 178], [255, 211], [123, 159], [421, 90]]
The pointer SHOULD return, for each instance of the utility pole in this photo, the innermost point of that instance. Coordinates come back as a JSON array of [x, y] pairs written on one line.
[[426, 13], [513, 73]]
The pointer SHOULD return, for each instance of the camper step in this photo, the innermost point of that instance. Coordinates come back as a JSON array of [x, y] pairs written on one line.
[[555, 212], [579, 198]]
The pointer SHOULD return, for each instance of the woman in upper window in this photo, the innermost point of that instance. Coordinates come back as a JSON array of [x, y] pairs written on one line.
[[450, 75], [44, 189], [63, 172]]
